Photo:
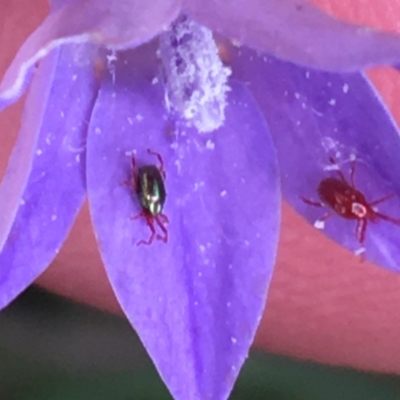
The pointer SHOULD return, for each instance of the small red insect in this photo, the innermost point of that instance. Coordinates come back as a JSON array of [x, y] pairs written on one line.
[[148, 183], [348, 202]]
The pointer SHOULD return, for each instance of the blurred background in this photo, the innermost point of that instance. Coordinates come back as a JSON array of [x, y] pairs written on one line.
[[55, 349]]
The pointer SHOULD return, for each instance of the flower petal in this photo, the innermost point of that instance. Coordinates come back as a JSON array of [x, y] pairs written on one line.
[[316, 115], [124, 23], [44, 185], [297, 31], [195, 301]]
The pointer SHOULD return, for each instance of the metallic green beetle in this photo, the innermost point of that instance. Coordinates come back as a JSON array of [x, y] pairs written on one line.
[[148, 183]]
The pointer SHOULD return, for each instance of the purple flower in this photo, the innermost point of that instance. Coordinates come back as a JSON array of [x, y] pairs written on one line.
[[115, 80]]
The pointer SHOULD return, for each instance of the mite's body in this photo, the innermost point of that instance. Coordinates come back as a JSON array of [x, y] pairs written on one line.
[[348, 202], [345, 200]]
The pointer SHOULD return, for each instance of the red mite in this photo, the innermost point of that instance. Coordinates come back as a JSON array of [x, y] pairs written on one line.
[[148, 183], [348, 202]]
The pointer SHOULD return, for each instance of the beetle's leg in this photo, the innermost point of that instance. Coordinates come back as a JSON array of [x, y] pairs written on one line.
[[163, 228], [135, 174], [149, 220], [140, 215], [133, 181], [164, 218], [312, 202], [160, 160]]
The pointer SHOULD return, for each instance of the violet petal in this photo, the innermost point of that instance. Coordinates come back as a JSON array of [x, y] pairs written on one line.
[[56, 4], [51, 182], [317, 115], [122, 24], [297, 31], [195, 301]]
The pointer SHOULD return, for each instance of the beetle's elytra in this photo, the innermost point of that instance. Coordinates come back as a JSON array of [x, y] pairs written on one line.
[[148, 183]]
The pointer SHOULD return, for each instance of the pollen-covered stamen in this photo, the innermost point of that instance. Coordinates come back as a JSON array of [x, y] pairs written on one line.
[[195, 78], [359, 210]]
